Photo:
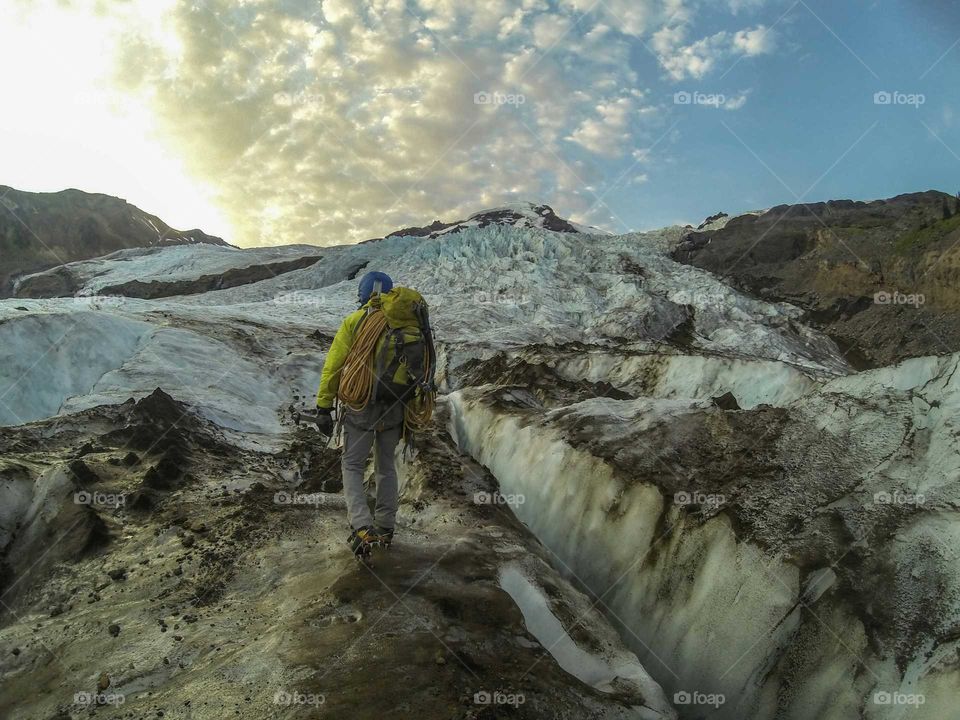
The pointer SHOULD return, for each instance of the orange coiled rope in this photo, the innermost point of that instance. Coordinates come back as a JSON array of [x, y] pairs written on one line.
[[419, 409], [358, 377]]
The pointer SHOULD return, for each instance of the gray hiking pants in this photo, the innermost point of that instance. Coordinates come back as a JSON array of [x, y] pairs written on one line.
[[378, 426]]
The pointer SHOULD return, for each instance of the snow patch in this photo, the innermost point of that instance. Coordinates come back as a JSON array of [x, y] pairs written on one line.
[[605, 674], [687, 376], [50, 358]]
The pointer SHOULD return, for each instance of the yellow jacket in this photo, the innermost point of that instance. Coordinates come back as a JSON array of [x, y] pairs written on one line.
[[336, 356], [343, 342]]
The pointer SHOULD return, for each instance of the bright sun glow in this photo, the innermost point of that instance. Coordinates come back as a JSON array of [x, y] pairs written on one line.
[[72, 129]]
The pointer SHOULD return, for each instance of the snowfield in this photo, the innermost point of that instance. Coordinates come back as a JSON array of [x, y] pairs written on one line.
[[747, 527], [492, 289], [169, 263]]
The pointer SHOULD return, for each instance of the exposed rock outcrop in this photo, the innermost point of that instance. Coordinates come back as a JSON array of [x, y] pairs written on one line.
[[882, 277]]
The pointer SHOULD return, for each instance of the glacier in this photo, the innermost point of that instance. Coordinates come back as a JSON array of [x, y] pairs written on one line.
[[792, 555]]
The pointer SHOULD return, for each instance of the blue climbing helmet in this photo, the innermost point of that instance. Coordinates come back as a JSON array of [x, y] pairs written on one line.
[[373, 282]]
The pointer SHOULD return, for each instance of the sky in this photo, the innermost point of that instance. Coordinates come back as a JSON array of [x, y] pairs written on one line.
[[283, 121]]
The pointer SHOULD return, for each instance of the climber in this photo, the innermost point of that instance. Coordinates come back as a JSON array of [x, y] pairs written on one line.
[[378, 372]]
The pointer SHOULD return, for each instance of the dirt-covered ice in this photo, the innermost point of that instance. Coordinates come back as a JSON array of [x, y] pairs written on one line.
[[152, 568], [727, 510]]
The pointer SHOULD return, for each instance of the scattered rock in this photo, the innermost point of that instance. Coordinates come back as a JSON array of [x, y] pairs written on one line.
[[631, 267], [321, 337], [331, 485], [82, 472], [119, 573], [114, 629], [85, 449], [727, 401], [164, 475], [142, 500]]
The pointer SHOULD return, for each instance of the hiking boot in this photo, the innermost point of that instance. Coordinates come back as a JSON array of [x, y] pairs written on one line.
[[363, 540]]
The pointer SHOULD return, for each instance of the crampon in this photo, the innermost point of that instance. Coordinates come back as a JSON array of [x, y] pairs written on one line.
[[386, 536], [363, 540]]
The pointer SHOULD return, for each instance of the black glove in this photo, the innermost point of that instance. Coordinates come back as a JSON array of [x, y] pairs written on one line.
[[324, 421]]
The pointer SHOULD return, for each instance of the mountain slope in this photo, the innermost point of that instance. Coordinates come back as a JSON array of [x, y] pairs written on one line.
[[882, 277], [163, 270], [520, 214], [40, 230]]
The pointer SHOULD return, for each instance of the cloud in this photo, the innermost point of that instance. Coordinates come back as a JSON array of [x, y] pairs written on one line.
[[697, 59], [548, 30], [694, 60], [337, 121], [606, 134], [759, 41], [736, 102], [341, 124]]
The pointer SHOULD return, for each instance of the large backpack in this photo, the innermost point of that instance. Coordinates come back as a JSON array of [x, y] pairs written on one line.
[[405, 358]]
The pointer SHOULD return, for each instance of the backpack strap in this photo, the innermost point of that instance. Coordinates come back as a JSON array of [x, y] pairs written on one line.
[[380, 364], [423, 318]]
